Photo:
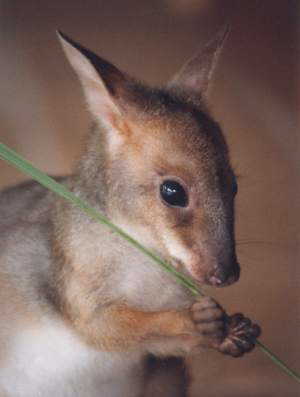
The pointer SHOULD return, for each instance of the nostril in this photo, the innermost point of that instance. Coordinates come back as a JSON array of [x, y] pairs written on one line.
[[214, 280], [221, 277], [218, 278]]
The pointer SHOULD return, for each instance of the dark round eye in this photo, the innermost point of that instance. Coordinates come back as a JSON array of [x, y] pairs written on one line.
[[173, 193]]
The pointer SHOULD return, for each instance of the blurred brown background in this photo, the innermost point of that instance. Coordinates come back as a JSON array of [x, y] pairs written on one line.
[[254, 98]]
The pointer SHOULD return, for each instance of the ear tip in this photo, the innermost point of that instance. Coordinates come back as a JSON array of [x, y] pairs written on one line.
[[222, 34], [63, 37], [59, 33], [225, 30], [216, 43]]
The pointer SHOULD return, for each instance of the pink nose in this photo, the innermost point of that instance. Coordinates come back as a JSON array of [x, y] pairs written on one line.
[[215, 281], [222, 279]]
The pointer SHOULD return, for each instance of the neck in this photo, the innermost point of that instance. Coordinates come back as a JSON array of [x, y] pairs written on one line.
[[89, 180]]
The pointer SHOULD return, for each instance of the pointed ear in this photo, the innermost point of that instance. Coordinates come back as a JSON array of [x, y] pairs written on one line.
[[195, 76], [103, 84]]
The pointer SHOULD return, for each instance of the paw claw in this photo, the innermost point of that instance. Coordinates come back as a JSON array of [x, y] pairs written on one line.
[[241, 335], [244, 345], [233, 335]]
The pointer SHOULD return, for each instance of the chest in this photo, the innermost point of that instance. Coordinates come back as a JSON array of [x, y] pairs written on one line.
[[50, 359]]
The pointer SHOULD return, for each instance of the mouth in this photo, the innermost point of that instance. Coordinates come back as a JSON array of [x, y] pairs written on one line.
[[178, 265], [218, 283], [218, 279], [223, 278], [192, 273]]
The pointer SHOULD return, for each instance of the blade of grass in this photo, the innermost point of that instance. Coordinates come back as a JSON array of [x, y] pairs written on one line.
[[293, 374], [23, 165]]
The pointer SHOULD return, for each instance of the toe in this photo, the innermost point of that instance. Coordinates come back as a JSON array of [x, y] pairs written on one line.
[[208, 315], [216, 327], [243, 344], [204, 303], [230, 348]]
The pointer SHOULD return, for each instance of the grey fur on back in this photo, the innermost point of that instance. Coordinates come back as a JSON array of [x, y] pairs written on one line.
[[25, 229]]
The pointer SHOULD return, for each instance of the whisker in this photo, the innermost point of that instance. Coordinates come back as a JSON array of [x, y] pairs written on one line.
[[247, 242]]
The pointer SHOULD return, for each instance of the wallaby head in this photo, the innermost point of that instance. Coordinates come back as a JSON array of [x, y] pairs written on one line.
[[165, 171]]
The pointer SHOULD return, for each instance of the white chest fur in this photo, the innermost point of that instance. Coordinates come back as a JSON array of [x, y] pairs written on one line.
[[51, 360]]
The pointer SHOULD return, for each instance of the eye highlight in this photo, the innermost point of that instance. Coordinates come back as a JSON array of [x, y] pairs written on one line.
[[173, 193]]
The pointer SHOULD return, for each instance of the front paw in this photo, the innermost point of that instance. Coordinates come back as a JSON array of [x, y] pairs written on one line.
[[210, 321], [241, 335]]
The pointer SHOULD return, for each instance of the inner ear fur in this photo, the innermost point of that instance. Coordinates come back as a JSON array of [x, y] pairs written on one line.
[[196, 74], [104, 85]]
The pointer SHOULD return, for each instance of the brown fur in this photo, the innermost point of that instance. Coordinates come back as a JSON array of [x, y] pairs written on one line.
[[102, 289], [146, 121]]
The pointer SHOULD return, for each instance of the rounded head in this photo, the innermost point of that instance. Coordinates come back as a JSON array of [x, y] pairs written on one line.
[[163, 161]]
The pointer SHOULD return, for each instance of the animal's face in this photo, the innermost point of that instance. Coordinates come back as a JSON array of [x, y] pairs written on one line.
[[172, 186], [169, 182]]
